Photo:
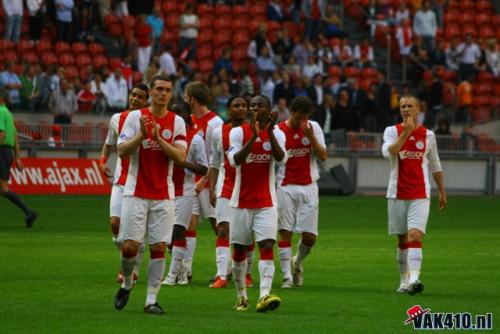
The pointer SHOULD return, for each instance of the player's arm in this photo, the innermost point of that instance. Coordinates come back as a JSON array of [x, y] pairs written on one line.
[[318, 144], [436, 170], [199, 167], [128, 147], [278, 151], [131, 137], [176, 151], [408, 127], [214, 163], [105, 153], [235, 140]]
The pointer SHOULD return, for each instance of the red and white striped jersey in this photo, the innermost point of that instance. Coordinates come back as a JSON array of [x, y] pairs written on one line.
[[409, 178], [196, 154], [255, 185], [205, 126], [301, 166], [150, 171], [219, 160], [115, 127]]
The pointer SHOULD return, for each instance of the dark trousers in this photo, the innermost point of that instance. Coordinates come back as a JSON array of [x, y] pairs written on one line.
[[64, 31], [35, 27]]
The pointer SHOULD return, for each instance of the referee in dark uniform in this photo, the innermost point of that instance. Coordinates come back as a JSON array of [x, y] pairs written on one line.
[[9, 151]]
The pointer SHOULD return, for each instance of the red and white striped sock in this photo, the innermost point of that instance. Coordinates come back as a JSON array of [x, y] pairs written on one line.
[[266, 271], [414, 259], [285, 254]]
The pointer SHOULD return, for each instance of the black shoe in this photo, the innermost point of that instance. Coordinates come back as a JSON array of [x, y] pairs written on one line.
[[121, 298], [154, 309], [30, 218], [415, 287]]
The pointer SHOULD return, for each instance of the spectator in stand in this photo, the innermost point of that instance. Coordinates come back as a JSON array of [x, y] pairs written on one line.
[[369, 111], [425, 26], [363, 53], [143, 33], [357, 98], [323, 113], [343, 53], [13, 18], [453, 55], [10, 81], [404, 36], [97, 88], [246, 83], [311, 69], [36, 10], [438, 8], [152, 71], [220, 107], [224, 61], [64, 19], [155, 21], [299, 88], [284, 89], [116, 92], [493, 57], [316, 92], [55, 140], [434, 101], [282, 109], [267, 85], [332, 24], [86, 99], [464, 100], [63, 104], [284, 41], [167, 61], [301, 52], [127, 70], [30, 90], [375, 16], [189, 24], [419, 59], [383, 101], [402, 14], [275, 12], [85, 26], [293, 68], [325, 54], [260, 41], [120, 7], [470, 55], [439, 56], [443, 128], [265, 62], [313, 11], [343, 115]]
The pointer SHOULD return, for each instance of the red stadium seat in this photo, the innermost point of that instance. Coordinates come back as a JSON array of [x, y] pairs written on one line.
[[83, 60], [205, 66], [205, 36], [66, 59], [239, 25], [79, 47], [100, 60], [294, 29], [30, 57], [6, 45], [128, 22], [496, 90], [352, 72], [484, 76], [452, 30], [222, 23], [10, 55], [62, 47], [484, 6], [169, 7], [116, 30], [481, 114], [258, 10], [204, 9], [368, 72], [42, 46], [206, 22], [334, 71], [466, 5], [466, 17], [96, 48], [240, 38], [24, 45], [204, 53], [240, 11], [110, 19], [483, 18], [115, 62], [482, 100], [49, 58], [486, 31], [239, 55], [450, 17], [223, 37], [71, 72], [469, 29], [483, 88], [222, 10]]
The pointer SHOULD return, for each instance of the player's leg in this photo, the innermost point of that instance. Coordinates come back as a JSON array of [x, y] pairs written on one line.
[[240, 238], [418, 213], [191, 237], [250, 258], [265, 227], [115, 212], [223, 211], [397, 225], [287, 212], [160, 226], [207, 209]]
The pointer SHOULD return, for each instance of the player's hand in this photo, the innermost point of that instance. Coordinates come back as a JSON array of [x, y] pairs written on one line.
[[409, 125], [145, 121], [213, 198], [105, 169], [443, 200], [273, 119], [19, 164], [254, 123], [200, 185], [307, 129]]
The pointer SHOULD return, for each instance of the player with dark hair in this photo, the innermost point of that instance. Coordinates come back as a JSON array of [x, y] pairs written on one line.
[[137, 99], [412, 151], [297, 189], [253, 150], [154, 139]]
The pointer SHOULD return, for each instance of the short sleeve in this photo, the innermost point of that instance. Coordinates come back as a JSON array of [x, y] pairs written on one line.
[[318, 133], [131, 127], [434, 162], [215, 154], [281, 139], [390, 136], [235, 144], [179, 131], [112, 136], [200, 154]]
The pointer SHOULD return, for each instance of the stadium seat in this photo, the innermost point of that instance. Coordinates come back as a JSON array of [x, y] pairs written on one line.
[[482, 88], [6, 45], [466, 17], [469, 29], [128, 22], [169, 7], [240, 11], [206, 22], [452, 30], [484, 76], [481, 114], [24, 45], [116, 30], [365, 83], [85, 73], [450, 17], [496, 90], [204, 53], [66, 59], [110, 19], [482, 18], [334, 71], [62, 47], [205, 66], [293, 28], [467, 5], [482, 100], [486, 31], [205, 36], [239, 25], [96, 48], [83, 60], [79, 47], [115, 62], [31, 57], [369, 72], [222, 23], [222, 10], [10, 55], [224, 37], [204, 9], [49, 58], [100, 60], [72, 72], [352, 72], [484, 6], [42, 46], [239, 55], [240, 39]]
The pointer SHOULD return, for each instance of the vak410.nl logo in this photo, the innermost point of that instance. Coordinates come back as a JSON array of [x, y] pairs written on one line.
[[424, 319]]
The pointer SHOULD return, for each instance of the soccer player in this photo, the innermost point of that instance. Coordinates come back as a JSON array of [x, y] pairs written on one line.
[[9, 152], [183, 177], [412, 152], [154, 139], [253, 150], [297, 189], [197, 95], [221, 188], [137, 99]]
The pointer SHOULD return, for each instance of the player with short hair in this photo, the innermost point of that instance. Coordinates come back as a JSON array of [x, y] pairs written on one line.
[[137, 99], [254, 149], [298, 199], [197, 95], [196, 163], [154, 138], [222, 176], [412, 152]]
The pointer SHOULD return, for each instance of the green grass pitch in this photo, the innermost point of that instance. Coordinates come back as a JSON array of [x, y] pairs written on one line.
[[59, 276]]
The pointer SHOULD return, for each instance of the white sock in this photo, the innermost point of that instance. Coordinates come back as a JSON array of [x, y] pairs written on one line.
[[239, 273], [156, 270], [127, 269], [138, 258], [285, 253], [302, 252], [266, 271], [222, 256], [177, 260], [402, 258], [414, 263], [250, 257], [188, 255]]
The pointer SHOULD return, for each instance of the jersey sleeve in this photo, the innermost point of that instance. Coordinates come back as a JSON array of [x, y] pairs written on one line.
[[390, 136], [211, 126], [215, 154], [235, 144], [281, 139], [131, 127], [179, 132], [318, 133], [200, 153], [434, 162], [112, 136]]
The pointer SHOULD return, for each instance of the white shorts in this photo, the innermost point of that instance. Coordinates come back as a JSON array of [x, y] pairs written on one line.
[[183, 209], [223, 210], [298, 208], [203, 201], [407, 214], [141, 216], [263, 222], [115, 202]]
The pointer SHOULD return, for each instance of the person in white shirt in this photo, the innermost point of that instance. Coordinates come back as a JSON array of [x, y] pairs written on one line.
[[189, 24], [452, 54], [13, 15], [470, 54], [64, 16], [311, 68], [493, 57], [116, 91], [425, 26], [167, 61]]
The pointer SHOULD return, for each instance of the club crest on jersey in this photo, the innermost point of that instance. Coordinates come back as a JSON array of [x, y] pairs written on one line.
[[201, 133], [420, 144], [266, 146], [305, 141], [167, 134]]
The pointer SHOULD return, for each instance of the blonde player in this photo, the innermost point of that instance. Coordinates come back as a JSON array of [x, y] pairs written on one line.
[[412, 152]]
